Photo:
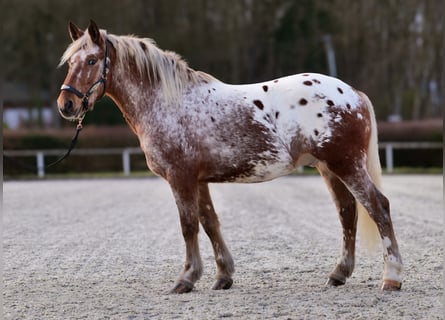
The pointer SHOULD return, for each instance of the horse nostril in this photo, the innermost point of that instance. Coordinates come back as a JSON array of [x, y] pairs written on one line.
[[68, 106]]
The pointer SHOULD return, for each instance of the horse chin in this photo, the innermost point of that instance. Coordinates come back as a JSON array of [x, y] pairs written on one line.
[[66, 116], [72, 116]]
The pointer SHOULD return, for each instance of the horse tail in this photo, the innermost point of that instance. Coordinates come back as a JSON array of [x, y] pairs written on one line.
[[369, 233]]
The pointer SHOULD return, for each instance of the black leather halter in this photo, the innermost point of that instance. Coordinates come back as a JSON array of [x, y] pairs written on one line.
[[102, 80]]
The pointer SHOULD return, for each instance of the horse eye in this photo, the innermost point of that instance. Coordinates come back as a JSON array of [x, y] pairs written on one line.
[[92, 62]]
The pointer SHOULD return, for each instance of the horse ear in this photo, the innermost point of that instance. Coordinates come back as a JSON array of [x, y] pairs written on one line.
[[94, 32], [75, 31]]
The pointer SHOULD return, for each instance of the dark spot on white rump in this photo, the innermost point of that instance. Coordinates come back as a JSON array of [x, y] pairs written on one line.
[[259, 104]]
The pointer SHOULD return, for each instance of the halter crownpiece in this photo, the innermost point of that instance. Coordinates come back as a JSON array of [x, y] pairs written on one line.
[[102, 80]]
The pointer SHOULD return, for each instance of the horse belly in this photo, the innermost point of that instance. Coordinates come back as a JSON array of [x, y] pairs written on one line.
[[249, 167], [264, 170]]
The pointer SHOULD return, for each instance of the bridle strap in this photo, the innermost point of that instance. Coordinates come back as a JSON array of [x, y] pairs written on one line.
[[102, 80], [71, 89]]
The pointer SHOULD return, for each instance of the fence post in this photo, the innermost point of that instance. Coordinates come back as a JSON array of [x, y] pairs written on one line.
[[40, 164], [389, 154], [126, 161]]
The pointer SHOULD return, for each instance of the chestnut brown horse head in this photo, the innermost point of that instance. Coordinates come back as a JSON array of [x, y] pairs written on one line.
[[88, 59]]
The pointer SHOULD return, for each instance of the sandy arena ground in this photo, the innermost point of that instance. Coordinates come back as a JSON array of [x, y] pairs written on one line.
[[112, 248]]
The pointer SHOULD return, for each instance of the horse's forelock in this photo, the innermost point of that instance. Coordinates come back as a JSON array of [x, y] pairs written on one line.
[[84, 42]]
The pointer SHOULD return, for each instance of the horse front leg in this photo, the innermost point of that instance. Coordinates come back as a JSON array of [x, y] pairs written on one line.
[[186, 196], [209, 221]]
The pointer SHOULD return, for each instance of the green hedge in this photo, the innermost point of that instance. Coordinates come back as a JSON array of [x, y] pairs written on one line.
[[411, 131], [90, 137]]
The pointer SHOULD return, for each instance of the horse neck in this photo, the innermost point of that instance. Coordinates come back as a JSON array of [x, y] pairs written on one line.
[[131, 91], [135, 93]]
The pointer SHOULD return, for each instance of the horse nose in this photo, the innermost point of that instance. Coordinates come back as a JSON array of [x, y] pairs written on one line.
[[68, 106]]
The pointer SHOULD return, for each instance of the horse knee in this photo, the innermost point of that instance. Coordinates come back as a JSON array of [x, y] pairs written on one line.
[[209, 222], [382, 201], [189, 231], [380, 212]]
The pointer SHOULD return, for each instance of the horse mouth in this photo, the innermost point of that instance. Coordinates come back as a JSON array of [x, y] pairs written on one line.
[[76, 116]]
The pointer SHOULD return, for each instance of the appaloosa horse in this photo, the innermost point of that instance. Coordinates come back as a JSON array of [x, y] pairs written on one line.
[[195, 129]]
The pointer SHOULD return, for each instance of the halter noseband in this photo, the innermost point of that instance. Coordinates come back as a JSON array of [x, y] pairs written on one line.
[[103, 80]]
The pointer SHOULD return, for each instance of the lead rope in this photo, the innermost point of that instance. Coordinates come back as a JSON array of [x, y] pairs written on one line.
[[72, 145]]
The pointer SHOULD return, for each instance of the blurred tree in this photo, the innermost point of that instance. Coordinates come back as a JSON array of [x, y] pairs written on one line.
[[298, 38], [394, 51], [391, 49]]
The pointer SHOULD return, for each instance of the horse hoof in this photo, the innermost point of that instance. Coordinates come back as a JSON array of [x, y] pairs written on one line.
[[182, 287], [222, 284], [335, 282], [391, 285]]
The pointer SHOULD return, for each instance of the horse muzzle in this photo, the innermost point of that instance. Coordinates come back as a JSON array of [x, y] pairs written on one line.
[[70, 109]]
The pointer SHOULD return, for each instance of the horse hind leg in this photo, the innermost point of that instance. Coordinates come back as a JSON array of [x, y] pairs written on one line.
[[346, 206], [209, 221], [359, 183]]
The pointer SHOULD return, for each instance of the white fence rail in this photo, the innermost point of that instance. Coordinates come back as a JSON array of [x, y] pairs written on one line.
[[390, 146], [126, 153], [41, 154]]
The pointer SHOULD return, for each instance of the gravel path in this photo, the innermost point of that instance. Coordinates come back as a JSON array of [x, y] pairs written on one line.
[[112, 248]]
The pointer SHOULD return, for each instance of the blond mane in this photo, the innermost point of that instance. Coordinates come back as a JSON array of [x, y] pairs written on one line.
[[164, 67]]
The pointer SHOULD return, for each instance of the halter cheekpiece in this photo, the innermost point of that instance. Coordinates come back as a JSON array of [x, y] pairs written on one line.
[[102, 80]]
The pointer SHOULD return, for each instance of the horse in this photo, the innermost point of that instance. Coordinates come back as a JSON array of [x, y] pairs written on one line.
[[195, 130]]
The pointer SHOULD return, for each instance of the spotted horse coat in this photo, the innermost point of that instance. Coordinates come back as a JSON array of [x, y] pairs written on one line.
[[195, 130]]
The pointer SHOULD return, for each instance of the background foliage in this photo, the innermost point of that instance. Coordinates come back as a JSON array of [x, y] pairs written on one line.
[[391, 49]]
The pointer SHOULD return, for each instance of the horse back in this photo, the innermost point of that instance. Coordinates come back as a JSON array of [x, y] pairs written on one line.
[[256, 132]]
